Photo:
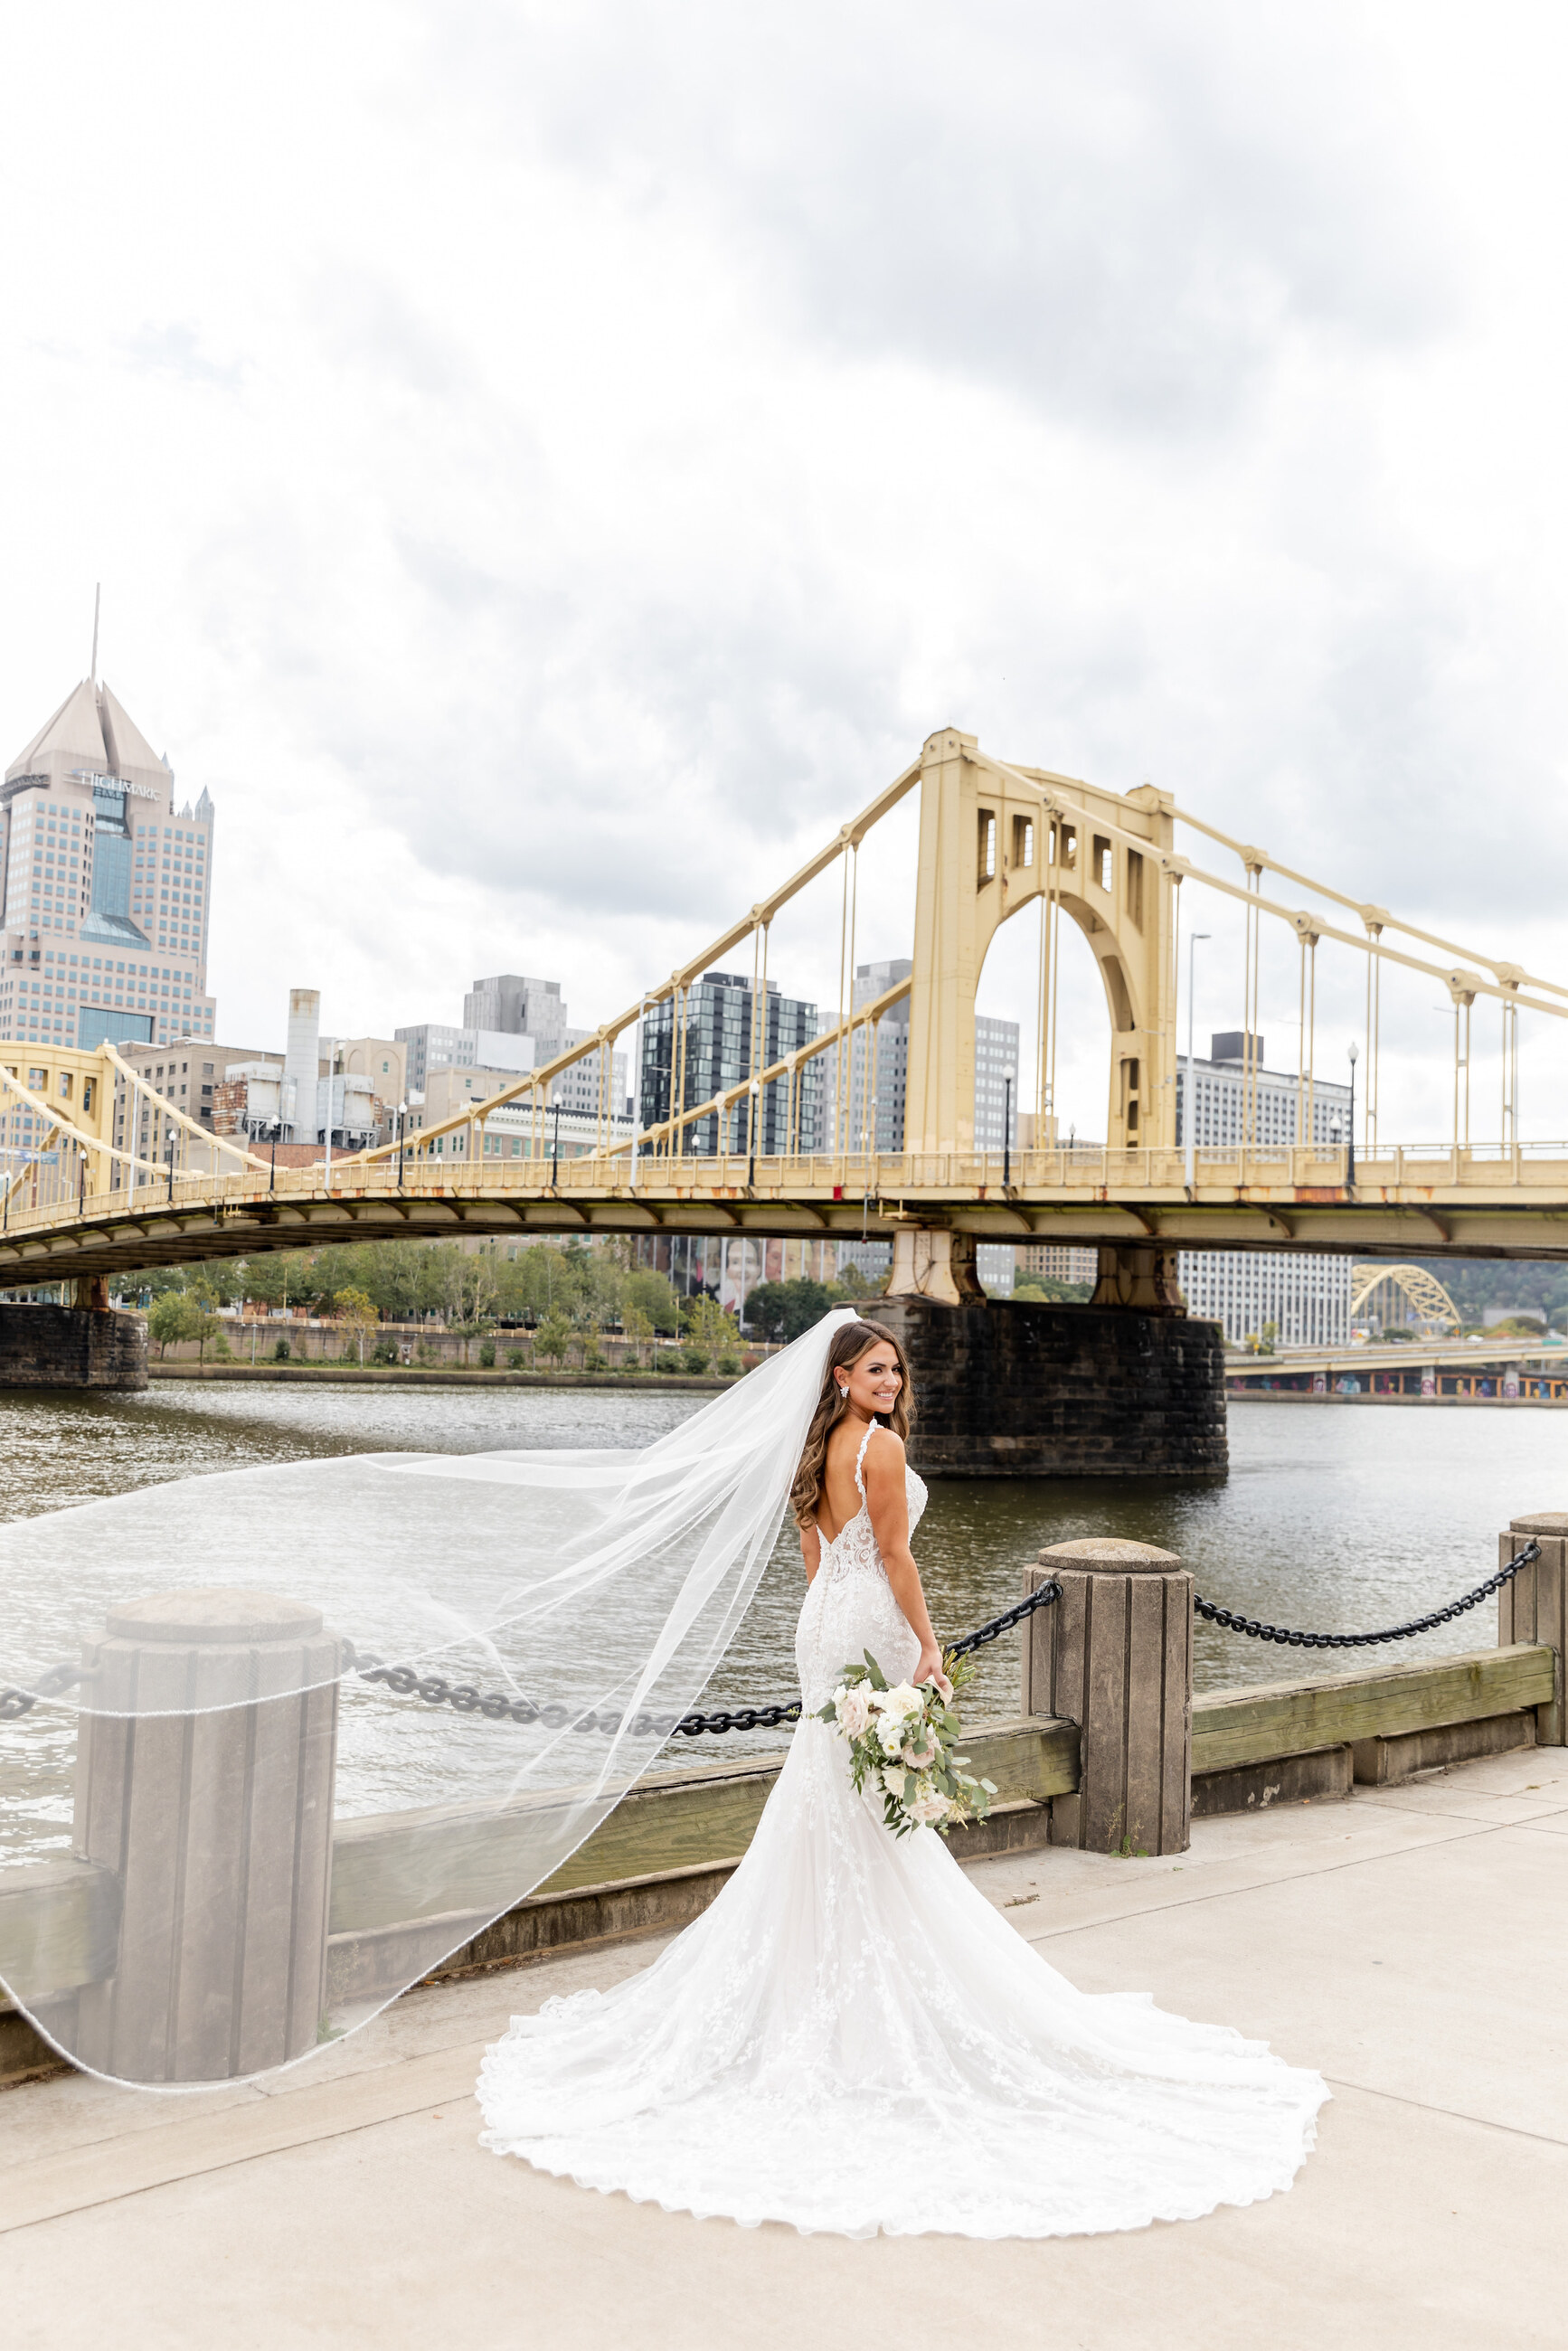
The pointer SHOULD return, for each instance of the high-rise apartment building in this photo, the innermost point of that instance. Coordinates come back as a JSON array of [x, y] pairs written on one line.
[[105, 886], [709, 1049], [1306, 1298], [1237, 1100]]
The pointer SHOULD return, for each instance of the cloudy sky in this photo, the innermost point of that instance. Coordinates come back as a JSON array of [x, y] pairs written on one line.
[[550, 465]]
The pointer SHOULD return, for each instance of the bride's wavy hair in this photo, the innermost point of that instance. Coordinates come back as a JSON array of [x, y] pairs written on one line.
[[848, 1346]]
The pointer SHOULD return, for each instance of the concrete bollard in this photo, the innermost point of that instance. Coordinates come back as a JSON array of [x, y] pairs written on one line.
[[1115, 1656], [212, 1803], [1534, 1606]]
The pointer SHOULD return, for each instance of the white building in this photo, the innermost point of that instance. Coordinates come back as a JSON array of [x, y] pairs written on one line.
[[105, 886], [1307, 1299], [1275, 1116], [1236, 1101]]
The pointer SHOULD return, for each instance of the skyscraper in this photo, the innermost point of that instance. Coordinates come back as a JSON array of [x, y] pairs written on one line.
[[709, 1050], [105, 886]]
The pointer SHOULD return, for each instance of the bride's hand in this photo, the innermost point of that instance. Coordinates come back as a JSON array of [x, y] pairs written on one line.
[[929, 1670]]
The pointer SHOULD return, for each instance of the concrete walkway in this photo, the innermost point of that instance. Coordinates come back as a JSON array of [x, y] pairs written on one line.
[[1409, 1942]]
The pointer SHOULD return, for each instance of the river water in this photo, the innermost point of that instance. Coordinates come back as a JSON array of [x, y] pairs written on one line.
[[1334, 1518]]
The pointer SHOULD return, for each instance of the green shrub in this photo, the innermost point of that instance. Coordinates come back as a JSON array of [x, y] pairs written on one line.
[[487, 1356], [695, 1360], [515, 1360], [593, 1360], [385, 1352], [282, 1352], [728, 1366]]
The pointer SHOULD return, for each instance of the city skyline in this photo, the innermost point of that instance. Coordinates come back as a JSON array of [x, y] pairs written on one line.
[[468, 648]]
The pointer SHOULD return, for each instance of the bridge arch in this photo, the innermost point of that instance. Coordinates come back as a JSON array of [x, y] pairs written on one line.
[[993, 840]]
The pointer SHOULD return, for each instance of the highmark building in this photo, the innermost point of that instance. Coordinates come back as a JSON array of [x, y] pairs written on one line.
[[105, 886]]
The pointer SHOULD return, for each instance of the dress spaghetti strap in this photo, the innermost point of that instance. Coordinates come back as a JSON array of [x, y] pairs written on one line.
[[860, 1456]]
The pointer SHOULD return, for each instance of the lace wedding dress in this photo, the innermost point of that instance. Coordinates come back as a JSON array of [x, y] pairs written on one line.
[[852, 2039]]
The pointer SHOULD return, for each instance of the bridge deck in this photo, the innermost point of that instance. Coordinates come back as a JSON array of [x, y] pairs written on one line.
[[1408, 1942], [1403, 1205]]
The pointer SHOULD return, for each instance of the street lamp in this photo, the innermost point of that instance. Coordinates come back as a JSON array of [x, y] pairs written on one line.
[[1189, 1108], [1350, 1146], [1008, 1076]]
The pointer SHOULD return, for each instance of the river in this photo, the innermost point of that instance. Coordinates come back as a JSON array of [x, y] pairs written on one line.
[[1334, 1518]]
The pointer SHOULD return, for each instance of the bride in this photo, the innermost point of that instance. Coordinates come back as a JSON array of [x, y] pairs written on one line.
[[851, 2038]]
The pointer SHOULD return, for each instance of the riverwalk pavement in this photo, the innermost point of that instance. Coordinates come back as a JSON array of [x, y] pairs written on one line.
[[1409, 1942]]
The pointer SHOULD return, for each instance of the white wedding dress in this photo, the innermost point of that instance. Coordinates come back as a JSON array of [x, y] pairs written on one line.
[[852, 2039]]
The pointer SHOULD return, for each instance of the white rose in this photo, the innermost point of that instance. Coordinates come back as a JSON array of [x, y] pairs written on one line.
[[889, 1734], [853, 1712], [903, 1700], [895, 1778]]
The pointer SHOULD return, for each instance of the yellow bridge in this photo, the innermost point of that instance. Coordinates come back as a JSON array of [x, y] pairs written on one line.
[[994, 840]]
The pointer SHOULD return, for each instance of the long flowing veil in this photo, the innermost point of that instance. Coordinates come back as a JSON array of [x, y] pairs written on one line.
[[228, 1835]]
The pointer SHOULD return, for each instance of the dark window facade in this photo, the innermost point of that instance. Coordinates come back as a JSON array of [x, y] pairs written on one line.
[[711, 1042]]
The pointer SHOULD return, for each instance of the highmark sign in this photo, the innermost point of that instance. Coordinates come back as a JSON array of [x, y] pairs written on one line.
[[113, 786]]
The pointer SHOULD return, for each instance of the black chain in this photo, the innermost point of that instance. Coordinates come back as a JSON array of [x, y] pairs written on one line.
[[499, 1706], [1042, 1597], [1256, 1631], [14, 1703]]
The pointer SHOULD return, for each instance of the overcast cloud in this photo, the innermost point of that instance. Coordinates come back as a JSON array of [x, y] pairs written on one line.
[[549, 466]]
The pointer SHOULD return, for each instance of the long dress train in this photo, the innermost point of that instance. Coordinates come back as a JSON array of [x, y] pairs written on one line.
[[852, 2039]]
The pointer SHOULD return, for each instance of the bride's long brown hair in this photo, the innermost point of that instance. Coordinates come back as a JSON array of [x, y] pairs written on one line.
[[848, 1346]]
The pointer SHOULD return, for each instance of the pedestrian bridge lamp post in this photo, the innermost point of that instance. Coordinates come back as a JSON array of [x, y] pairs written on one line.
[[1008, 1076], [1350, 1146]]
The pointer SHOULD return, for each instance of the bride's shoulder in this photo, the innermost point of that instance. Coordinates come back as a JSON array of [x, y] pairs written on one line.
[[886, 1447]]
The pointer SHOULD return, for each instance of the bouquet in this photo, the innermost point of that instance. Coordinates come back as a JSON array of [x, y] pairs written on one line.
[[901, 1743]]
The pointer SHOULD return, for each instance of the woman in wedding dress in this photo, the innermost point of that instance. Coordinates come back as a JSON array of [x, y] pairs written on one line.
[[851, 2038]]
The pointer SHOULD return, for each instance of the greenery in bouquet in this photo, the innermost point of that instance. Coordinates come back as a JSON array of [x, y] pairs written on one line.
[[903, 1745]]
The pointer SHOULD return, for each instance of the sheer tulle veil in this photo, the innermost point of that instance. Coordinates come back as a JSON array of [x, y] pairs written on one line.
[[221, 1845]]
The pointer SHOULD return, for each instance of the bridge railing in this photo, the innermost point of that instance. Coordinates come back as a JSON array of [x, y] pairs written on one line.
[[60, 1194]]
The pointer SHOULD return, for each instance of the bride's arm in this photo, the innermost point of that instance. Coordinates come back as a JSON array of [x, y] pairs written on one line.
[[811, 1550], [887, 1500]]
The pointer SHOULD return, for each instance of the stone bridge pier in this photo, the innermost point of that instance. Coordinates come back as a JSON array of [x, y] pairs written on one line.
[[86, 1344], [1128, 1386]]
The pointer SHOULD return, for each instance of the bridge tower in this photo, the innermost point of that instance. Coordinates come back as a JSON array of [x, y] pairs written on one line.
[[1127, 1385], [994, 840]]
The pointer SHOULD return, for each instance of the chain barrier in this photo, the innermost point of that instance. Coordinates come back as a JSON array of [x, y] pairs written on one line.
[[1254, 1630], [15, 1703], [1040, 1597], [500, 1705]]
